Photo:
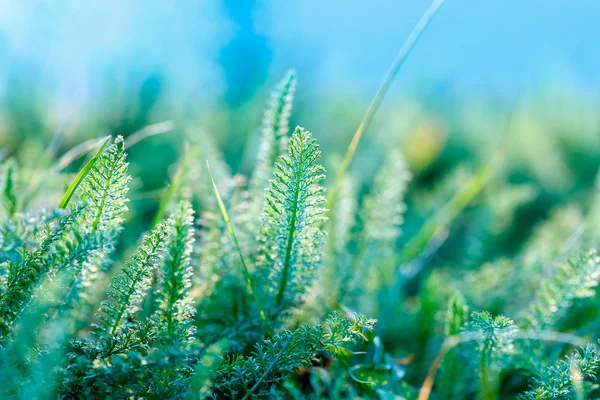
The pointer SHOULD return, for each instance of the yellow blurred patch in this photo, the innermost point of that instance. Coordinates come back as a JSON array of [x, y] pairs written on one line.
[[424, 143]]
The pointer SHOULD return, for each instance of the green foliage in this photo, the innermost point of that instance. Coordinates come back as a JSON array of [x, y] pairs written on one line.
[[574, 279], [274, 131], [103, 195], [290, 237], [452, 382], [87, 168], [127, 290], [278, 357], [456, 315], [158, 350], [380, 217], [104, 188], [9, 200], [175, 308], [494, 336], [22, 276], [574, 377], [54, 263], [268, 302]]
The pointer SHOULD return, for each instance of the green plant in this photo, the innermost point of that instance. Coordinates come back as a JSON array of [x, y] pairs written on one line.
[[143, 340], [573, 377], [252, 289]]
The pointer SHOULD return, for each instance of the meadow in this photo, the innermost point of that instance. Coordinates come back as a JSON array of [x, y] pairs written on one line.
[[441, 250]]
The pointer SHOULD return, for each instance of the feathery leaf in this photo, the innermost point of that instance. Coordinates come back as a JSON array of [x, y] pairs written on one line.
[[129, 287], [290, 237], [275, 127]]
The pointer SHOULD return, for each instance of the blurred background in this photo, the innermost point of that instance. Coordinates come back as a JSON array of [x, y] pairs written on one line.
[[80, 70]]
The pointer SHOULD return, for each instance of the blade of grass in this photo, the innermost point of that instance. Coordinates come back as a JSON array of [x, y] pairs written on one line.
[[399, 60], [239, 250], [175, 184], [442, 219], [148, 131], [63, 162], [77, 152], [42, 167], [407, 273], [9, 199], [81, 176]]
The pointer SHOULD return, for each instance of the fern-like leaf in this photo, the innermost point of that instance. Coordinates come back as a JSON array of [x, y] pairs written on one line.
[[128, 288], [290, 237], [102, 194], [274, 130], [175, 310], [383, 208], [277, 358], [560, 381], [574, 279], [493, 337], [104, 190], [381, 217], [23, 276]]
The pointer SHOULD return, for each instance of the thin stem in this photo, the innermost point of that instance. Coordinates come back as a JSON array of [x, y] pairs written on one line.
[[81, 175], [173, 188], [239, 250], [401, 57], [455, 340], [149, 130], [486, 392]]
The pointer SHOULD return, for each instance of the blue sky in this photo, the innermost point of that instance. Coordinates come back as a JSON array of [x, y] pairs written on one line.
[[493, 46], [490, 47]]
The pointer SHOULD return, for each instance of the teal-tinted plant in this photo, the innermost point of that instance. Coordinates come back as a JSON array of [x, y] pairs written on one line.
[[51, 272], [573, 377], [274, 135], [274, 360], [249, 288], [451, 383], [493, 338], [290, 234], [574, 279]]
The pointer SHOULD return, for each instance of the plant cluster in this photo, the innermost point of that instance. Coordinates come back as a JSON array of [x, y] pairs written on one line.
[[259, 287]]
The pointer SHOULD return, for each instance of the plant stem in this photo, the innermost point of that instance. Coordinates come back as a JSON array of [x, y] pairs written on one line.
[[239, 251], [401, 57]]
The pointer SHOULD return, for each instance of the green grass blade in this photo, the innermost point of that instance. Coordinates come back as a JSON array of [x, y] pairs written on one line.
[[81, 176], [173, 188], [440, 221], [76, 153], [43, 165], [239, 250], [401, 57], [9, 199], [150, 130]]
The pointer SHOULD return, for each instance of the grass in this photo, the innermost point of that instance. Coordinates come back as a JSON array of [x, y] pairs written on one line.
[[477, 278]]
